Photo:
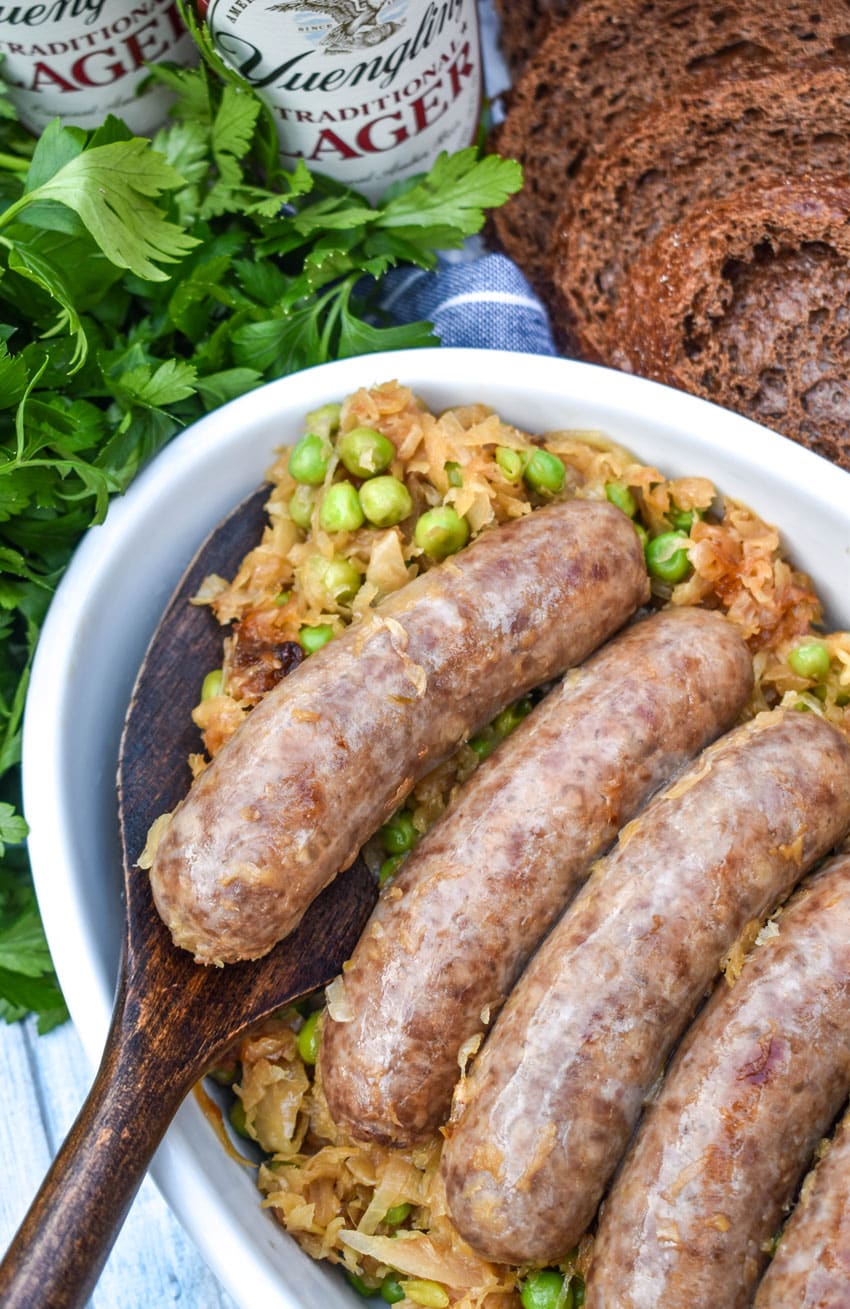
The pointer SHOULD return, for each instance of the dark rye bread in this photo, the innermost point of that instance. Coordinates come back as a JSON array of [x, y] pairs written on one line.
[[523, 25], [747, 302], [690, 149], [609, 61]]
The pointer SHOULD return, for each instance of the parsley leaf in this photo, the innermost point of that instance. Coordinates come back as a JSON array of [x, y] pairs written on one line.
[[453, 196], [12, 829]]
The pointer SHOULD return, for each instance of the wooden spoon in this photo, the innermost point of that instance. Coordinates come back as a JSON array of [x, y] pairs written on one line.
[[172, 1018]]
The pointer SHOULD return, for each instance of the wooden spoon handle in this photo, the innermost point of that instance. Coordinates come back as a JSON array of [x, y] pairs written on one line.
[[60, 1248]]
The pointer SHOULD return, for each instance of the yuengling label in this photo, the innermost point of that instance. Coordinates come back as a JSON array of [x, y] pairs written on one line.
[[83, 59], [369, 91]]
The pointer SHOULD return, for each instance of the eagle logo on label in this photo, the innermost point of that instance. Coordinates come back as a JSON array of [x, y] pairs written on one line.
[[355, 24]]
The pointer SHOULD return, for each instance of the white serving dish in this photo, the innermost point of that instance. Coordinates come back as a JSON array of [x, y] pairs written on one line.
[[116, 588]]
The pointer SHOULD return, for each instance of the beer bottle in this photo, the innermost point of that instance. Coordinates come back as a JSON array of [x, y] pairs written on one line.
[[83, 59], [367, 91]]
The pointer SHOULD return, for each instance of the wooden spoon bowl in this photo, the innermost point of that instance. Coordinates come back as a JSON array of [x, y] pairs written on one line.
[[172, 1018]]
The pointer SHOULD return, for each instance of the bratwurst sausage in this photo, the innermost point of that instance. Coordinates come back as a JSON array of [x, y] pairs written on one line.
[[451, 935], [757, 1081], [337, 745], [548, 1109], [811, 1268]]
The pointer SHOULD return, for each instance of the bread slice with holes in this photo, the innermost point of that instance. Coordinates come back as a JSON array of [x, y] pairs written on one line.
[[610, 60], [747, 302], [688, 150]]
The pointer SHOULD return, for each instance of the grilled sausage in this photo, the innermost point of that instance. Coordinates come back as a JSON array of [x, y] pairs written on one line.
[[337, 745], [811, 1268], [450, 936], [548, 1109], [757, 1081]]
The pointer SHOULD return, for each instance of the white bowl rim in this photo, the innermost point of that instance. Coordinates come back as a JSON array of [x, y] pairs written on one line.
[[88, 990]]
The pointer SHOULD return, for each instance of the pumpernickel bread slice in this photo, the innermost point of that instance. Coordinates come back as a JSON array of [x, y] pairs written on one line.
[[692, 148], [611, 59], [747, 302], [523, 25]]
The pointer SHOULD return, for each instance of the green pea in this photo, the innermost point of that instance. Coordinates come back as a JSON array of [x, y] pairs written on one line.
[[324, 420], [441, 532], [511, 462], [282, 598], [398, 835], [453, 473], [666, 562], [545, 473], [308, 1038], [684, 519], [213, 684], [301, 504], [224, 1075], [484, 742], [429, 1294], [365, 452], [385, 500], [239, 1120], [359, 1285], [391, 1289], [308, 460], [620, 495], [341, 510], [338, 578], [389, 868], [643, 534], [313, 638], [397, 1214], [510, 718], [546, 1289], [810, 659]]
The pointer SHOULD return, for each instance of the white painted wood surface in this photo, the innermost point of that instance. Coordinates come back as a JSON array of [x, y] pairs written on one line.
[[45, 1080]]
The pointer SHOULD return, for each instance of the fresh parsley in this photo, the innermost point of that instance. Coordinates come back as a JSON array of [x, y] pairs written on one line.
[[142, 284]]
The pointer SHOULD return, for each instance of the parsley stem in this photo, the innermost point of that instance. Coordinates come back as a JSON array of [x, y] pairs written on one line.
[[14, 163], [337, 302], [13, 210]]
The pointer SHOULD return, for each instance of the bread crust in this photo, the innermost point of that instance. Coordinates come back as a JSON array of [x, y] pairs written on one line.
[[746, 302]]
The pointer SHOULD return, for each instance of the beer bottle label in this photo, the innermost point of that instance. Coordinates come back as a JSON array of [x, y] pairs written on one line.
[[368, 91], [83, 59]]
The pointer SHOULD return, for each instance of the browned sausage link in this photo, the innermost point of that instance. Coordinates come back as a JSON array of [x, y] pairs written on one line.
[[811, 1268], [449, 938], [549, 1107], [335, 747], [757, 1081]]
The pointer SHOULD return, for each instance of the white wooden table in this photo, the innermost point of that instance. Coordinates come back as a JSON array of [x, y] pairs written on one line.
[[45, 1080]]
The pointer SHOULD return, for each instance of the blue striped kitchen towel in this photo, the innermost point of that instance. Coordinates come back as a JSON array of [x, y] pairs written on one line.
[[483, 301]]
